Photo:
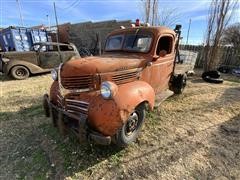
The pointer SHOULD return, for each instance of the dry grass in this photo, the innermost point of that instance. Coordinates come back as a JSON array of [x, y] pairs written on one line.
[[193, 136]]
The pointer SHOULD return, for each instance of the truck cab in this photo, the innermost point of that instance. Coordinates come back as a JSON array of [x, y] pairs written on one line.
[[104, 98]]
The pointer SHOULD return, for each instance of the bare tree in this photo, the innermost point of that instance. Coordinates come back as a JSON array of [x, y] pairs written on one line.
[[231, 36], [154, 12], [168, 16], [150, 11], [220, 13], [147, 10], [156, 15]]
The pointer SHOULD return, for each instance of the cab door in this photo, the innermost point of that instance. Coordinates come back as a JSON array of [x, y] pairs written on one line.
[[162, 67], [49, 56]]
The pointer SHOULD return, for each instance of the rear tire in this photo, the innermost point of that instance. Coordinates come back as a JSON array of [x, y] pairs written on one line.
[[128, 133], [179, 82], [19, 72]]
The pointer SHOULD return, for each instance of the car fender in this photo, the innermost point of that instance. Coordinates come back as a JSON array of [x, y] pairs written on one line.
[[32, 67], [130, 95]]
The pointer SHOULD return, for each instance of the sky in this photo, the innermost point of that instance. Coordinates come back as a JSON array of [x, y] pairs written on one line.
[[35, 12]]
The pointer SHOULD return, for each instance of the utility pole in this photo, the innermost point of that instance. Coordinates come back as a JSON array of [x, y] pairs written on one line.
[[57, 32], [20, 12], [49, 25], [189, 26]]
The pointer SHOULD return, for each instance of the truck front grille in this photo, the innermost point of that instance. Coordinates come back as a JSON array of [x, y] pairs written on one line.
[[78, 82], [59, 100], [76, 107], [125, 77]]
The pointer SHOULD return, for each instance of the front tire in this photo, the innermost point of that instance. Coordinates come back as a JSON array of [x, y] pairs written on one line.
[[128, 133], [20, 72]]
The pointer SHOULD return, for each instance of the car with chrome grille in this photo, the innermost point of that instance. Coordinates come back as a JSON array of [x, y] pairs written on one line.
[[104, 98]]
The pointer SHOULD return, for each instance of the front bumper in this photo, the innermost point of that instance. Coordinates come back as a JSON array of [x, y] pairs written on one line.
[[65, 121]]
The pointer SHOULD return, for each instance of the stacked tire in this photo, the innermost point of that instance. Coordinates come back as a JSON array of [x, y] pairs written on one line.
[[212, 77]]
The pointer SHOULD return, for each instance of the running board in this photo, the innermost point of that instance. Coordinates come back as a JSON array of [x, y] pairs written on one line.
[[162, 97]]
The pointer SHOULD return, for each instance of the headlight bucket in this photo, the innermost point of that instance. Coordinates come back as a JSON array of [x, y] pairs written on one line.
[[108, 89], [54, 74]]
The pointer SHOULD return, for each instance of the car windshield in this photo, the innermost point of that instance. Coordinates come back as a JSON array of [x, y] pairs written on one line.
[[130, 42]]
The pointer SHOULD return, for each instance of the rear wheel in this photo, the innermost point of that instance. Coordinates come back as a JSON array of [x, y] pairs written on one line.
[[20, 72], [179, 83], [130, 130]]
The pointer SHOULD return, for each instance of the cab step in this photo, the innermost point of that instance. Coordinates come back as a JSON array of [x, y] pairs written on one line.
[[162, 97]]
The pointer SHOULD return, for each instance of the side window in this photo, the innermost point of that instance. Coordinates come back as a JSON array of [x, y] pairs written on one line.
[[66, 48], [35, 47], [164, 47], [49, 48]]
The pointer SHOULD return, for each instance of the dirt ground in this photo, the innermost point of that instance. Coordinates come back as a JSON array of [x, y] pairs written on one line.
[[192, 136]]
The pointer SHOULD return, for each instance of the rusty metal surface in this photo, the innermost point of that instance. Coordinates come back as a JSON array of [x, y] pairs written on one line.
[[134, 81]]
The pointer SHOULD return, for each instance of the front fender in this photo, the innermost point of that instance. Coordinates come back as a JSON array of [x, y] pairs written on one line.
[[130, 95], [107, 116]]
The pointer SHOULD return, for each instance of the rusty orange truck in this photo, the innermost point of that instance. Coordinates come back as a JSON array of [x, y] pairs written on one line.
[[104, 98]]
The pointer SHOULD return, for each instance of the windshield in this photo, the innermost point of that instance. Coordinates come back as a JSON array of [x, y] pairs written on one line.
[[129, 42], [138, 43], [114, 43]]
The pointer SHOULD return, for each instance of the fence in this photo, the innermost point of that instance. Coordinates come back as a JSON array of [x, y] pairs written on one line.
[[228, 56]]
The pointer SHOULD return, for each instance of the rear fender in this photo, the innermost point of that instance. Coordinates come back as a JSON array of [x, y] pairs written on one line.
[[32, 67], [130, 95]]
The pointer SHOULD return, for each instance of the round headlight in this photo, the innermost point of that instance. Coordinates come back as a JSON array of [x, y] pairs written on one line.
[[106, 90], [54, 74]]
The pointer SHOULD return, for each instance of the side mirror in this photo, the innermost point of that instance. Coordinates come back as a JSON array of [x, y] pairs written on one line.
[[155, 58]]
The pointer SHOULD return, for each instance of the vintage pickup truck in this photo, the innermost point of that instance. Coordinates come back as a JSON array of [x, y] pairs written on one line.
[[42, 58], [104, 98]]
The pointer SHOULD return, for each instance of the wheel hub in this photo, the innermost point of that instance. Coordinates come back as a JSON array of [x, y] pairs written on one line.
[[132, 124], [20, 72]]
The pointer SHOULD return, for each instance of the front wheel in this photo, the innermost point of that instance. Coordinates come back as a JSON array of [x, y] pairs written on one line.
[[130, 130], [20, 72]]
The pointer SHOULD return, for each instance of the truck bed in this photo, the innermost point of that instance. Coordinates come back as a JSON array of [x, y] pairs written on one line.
[[183, 68], [188, 60]]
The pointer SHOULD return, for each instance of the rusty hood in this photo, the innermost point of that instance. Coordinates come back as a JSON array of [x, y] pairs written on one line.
[[102, 64]]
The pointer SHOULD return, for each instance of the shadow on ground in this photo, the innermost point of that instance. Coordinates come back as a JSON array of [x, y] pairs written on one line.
[[4, 77], [33, 148], [223, 152], [219, 143]]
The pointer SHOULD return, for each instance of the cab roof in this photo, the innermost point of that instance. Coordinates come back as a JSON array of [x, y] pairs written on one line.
[[156, 30]]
